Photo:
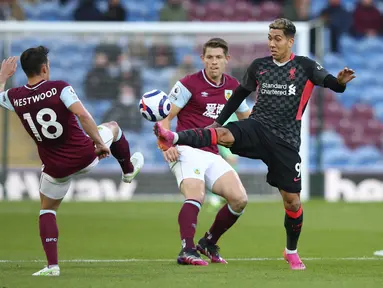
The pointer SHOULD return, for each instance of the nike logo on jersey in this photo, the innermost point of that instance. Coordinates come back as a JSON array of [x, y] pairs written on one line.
[[297, 179], [263, 72]]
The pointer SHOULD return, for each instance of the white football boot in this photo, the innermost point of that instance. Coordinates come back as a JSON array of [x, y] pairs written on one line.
[[48, 271], [137, 160]]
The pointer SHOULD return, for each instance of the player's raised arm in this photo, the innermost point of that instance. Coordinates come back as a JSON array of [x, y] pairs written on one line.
[[321, 77], [8, 68]]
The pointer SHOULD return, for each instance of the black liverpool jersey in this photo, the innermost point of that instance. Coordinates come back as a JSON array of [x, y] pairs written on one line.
[[282, 93]]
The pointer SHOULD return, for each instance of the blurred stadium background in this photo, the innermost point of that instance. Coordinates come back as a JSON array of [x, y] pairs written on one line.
[[110, 71]]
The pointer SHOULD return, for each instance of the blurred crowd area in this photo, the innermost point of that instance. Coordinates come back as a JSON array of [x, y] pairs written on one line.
[[116, 70]]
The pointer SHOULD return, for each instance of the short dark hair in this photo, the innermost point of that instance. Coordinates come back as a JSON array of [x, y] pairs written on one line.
[[32, 59], [216, 43], [285, 25]]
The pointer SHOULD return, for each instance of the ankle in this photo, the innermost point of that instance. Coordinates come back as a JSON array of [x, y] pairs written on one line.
[[288, 251]]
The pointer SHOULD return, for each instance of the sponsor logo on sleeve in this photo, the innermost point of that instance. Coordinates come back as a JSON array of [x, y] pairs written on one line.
[[175, 93], [319, 67]]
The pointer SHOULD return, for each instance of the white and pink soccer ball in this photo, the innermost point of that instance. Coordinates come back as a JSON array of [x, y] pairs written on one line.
[[155, 105]]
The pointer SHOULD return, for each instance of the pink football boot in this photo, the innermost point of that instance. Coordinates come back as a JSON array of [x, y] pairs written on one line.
[[165, 137], [294, 261]]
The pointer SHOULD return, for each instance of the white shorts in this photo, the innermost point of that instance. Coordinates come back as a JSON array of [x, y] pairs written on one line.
[[56, 188], [199, 164]]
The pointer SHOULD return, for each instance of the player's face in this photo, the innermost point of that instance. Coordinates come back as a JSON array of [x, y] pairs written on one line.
[[280, 45], [215, 62]]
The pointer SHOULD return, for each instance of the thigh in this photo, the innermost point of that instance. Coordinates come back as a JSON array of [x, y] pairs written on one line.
[[285, 168], [190, 164], [229, 186], [54, 188], [248, 139], [217, 168], [106, 134], [107, 137]]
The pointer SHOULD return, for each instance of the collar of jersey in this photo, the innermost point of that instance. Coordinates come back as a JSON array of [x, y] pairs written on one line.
[[281, 64], [30, 87], [284, 63], [212, 84]]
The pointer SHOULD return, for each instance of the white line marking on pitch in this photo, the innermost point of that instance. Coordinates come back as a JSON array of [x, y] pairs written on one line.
[[172, 260]]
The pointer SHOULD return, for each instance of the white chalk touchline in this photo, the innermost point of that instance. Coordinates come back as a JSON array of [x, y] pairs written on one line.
[[173, 260]]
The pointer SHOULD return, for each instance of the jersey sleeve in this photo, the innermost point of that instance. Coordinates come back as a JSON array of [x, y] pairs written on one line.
[[179, 95], [315, 71], [68, 96], [249, 80], [4, 101]]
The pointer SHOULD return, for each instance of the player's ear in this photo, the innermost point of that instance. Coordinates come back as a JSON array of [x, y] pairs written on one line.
[[227, 58], [44, 69], [202, 57], [290, 42]]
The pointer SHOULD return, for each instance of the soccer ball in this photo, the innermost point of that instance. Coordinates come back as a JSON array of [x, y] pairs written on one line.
[[155, 105]]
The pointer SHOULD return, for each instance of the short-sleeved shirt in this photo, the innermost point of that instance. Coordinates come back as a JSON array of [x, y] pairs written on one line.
[[63, 146], [202, 101]]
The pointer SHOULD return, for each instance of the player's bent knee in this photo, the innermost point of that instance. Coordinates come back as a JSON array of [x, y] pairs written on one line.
[[225, 138], [291, 201], [49, 203], [113, 126], [237, 198], [238, 204]]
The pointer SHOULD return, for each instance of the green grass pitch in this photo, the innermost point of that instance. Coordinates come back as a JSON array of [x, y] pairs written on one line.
[[337, 241]]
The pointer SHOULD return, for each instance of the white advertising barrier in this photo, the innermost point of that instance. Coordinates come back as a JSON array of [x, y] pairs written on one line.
[[353, 186]]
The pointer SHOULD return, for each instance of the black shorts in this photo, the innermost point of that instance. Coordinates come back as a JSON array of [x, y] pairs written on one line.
[[253, 140]]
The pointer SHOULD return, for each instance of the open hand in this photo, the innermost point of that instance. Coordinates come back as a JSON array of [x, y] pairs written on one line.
[[8, 68], [345, 76]]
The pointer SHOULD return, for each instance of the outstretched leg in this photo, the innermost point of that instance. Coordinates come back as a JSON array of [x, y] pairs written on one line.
[[199, 137], [130, 165]]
